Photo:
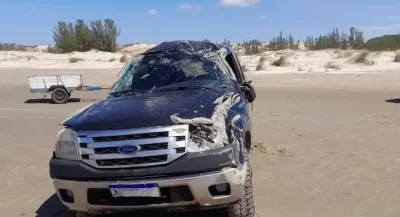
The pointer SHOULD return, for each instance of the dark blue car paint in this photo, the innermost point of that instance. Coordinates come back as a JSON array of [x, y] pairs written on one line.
[[155, 109]]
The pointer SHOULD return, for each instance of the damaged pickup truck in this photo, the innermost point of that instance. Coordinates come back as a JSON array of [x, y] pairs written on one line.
[[174, 133]]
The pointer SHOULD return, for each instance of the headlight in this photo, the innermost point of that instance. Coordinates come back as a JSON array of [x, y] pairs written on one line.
[[203, 140], [67, 145]]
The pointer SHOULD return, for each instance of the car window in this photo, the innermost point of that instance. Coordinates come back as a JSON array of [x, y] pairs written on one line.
[[156, 70]]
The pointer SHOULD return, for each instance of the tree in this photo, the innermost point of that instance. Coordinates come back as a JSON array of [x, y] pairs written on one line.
[[343, 41], [352, 37], [83, 36], [226, 42], [309, 43], [359, 39], [70, 37], [291, 42]]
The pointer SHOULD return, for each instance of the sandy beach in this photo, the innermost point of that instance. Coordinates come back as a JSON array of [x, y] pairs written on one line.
[[325, 141]]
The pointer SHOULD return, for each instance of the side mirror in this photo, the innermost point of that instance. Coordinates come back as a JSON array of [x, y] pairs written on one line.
[[249, 91]]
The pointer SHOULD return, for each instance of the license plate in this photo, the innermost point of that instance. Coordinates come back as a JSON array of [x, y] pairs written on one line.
[[135, 190]]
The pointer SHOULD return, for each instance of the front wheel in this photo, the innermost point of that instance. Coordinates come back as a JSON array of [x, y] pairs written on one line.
[[60, 96], [245, 206]]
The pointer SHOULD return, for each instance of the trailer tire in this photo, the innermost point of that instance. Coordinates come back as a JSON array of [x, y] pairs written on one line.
[[59, 96]]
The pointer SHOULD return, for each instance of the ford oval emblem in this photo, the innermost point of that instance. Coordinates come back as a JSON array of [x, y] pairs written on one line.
[[128, 149]]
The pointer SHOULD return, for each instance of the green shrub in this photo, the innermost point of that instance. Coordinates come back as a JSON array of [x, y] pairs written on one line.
[[244, 68], [79, 36], [282, 61], [75, 60], [260, 64], [362, 58], [397, 58], [344, 54], [123, 59], [332, 65]]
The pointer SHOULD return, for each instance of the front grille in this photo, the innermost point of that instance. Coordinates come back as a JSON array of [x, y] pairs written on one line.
[[130, 137], [148, 147], [133, 161], [154, 146], [102, 196]]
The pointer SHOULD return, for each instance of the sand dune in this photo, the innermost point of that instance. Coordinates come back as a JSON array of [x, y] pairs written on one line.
[[301, 61]]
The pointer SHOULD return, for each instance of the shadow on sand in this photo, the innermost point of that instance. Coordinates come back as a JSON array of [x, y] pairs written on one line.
[[53, 207], [396, 100], [48, 101]]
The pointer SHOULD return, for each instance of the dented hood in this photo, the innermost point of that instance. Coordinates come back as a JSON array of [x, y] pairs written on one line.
[[146, 110]]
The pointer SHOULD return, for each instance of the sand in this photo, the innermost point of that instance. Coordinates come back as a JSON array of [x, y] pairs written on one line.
[[300, 61], [326, 143]]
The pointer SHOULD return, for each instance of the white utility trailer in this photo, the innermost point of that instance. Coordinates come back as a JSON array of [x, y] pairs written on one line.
[[60, 86]]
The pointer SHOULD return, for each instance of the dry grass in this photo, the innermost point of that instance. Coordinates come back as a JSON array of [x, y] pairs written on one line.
[[244, 68], [362, 58], [282, 61], [332, 65], [261, 63], [344, 54], [123, 59], [397, 58], [31, 57], [75, 60]]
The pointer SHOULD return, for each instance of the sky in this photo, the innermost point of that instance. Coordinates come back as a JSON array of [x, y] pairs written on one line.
[[30, 22]]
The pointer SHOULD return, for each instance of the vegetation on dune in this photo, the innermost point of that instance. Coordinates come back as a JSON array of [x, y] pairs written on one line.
[[332, 40], [102, 35], [123, 59], [79, 36], [332, 65], [281, 42], [362, 58], [12, 47], [252, 47], [244, 68], [336, 40], [261, 63], [384, 43], [282, 61], [344, 54], [397, 58], [75, 60]]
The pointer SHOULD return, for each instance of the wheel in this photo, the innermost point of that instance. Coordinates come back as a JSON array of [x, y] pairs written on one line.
[[245, 206], [60, 96]]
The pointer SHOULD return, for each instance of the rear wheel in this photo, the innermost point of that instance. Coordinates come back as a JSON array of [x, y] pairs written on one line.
[[245, 206], [60, 96]]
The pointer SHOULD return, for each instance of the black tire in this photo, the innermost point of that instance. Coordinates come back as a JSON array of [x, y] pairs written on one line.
[[59, 96], [245, 206]]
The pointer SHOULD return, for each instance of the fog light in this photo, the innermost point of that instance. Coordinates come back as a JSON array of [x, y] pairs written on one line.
[[221, 187], [70, 194], [67, 195]]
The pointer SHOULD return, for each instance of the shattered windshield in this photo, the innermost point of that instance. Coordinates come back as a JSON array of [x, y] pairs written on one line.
[[168, 70]]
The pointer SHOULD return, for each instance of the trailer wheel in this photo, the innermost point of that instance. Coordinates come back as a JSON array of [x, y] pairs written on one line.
[[59, 96]]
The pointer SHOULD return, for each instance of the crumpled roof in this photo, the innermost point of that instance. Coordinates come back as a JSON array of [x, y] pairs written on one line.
[[189, 47]]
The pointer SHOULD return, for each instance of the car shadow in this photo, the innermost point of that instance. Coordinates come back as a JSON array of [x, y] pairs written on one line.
[[48, 101], [53, 207], [395, 100]]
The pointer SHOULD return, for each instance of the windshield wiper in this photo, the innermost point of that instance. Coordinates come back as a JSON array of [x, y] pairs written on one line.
[[127, 92], [181, 88]]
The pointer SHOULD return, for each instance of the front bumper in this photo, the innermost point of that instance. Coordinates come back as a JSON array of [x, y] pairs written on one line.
[[198, 188]]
